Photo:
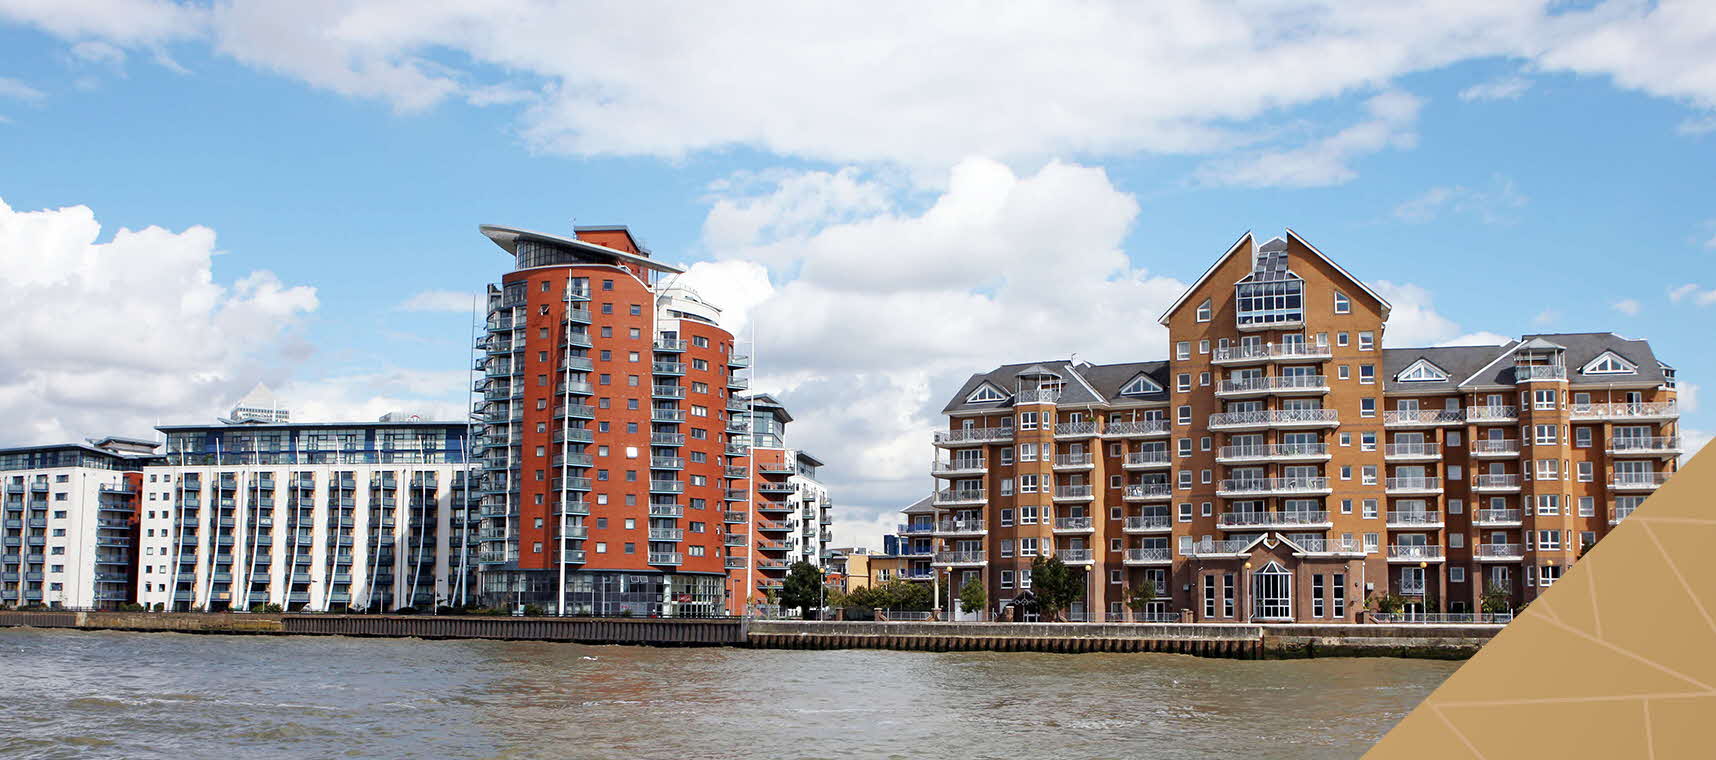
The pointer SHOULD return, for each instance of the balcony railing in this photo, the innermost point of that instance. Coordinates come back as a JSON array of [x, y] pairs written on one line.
[[1149, 491], [1073, 460], [961, 558], [1495, 446], [1073, 492], [1499, 551], [666, 558], [1645, 445], [1074, 524], [974, 436], [1496, 517], [1527, 372], [1274, 417], [1139, 523], [1402, 417], [1290, 519], [1135, 427], [1638, 479], [1623, 410], [959, 496], [1414, 519], [1268, 451], [1414, 552], [1149, 555], [1147, 458], [958, 467], [1274, 485], [1495, 482], [1414, 484], [1274, 384], [1412, 451], [1268, 351], [968, 526], [1328, 546], [1210, 547], [1073, 429], [1037, 396], [1492, 414], [1073, 556]]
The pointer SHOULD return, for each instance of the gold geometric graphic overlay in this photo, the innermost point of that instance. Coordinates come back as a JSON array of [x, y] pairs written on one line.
[[1616, 660]]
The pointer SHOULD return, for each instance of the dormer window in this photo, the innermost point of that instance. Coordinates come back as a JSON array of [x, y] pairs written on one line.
[[1609, 364], [1422, 371], [985, 394], [1141, 385]]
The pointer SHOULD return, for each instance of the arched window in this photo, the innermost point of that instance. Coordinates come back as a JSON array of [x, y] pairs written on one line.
[[1272, 593]]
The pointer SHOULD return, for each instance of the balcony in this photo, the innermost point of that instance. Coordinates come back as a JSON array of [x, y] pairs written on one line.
[[1149, 492], [1413, 485], [775, 506], [1135, 429], [1148, 524], [1268, 352], [1497, 518], [578, 363], [966, 527], [1492, 414], [1414, 519], [668, 391], [1646, 446], [1074, 525], [1495, 483], [1414, 553], [1288, 519], [1499, 552], [1157, 555], [959, 468], [1637, 481], [952, 497], [1147, 460], [668, 368], [1411, 452], [1651, 410], [1076, 429], [666, 510], [662, 534], [1328, 546], [960, 559], [973, 436], [574, 556], [667, 439], [667, 486], [1620, 513], [738, 383], [1274, 452], [1074, 556], [1225, 548], [668, 345], [1037, 396], [1422, 417], [1525, 373], [573, 314], [1074, 493], [666, 558], [1248, 487], [1281, 385], [916, 529], [667, 415], [1279, 418], [1495, 447], [1074, 461], [739, 361]]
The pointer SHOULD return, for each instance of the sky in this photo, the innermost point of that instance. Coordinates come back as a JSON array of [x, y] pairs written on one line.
[[196, 197]]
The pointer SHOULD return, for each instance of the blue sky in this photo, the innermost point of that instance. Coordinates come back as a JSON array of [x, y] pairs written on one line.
[[882, 213]]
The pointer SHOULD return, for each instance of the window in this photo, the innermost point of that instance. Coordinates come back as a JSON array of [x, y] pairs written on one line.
[[1367, 475], [1027, 420], [1006, 547], [1543, 399], [1140, 386], [1587, 472], [1204, 311], [1204, 346], [1204, 378], [1027, 484], [986, 393], [1183, 415], [1548, 504], [1185, 480], [1456, 575], [1341, 339], [1183, 381], [1006, 455], [1185, 446], [1006, 486], [1346, 439], [1027, 452], [1366, 340], [1609, 364], [1027, 515], [1371, 543], [1204, 476], [1422, 371], [1206, 509], [1543, 435], [1007, 575], [1204, 443], [1367, 408], [1367, 441], [1367, 373], [1548, 540], [1456, 540], [1027, 547], [1183, 350], [1369, 509], [1344, 372], [1342, 306], [1587, 506], [1582, 437], [1346, 506], [1007, 513]]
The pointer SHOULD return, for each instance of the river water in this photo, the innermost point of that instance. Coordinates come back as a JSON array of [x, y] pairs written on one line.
[[87, 694]]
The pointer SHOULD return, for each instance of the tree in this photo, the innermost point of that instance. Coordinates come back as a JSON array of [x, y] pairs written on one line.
[[803, 588], [972, 597], [1496, 599], [1141, 596], [1056, 584], [893, 595]]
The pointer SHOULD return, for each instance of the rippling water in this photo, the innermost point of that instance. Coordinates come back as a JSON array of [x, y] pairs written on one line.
[[98, 694]]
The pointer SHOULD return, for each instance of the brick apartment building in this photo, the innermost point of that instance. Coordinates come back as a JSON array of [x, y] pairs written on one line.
[[1284, 463]]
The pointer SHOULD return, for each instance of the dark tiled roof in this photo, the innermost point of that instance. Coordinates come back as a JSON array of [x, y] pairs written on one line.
[[920, 507], [1108, 379], [1459, 362], [1462, 362], [1105, 379]]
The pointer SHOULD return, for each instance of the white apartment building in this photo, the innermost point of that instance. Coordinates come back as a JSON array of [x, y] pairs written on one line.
[[69, 520], [307, 516]]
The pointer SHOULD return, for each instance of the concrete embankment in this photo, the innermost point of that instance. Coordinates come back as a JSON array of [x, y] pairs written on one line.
[[1242, 641]]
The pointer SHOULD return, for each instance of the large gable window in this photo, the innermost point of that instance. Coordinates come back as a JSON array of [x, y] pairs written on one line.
[[1610, 364], [1422, 371], [1141, 385], [985, 394]]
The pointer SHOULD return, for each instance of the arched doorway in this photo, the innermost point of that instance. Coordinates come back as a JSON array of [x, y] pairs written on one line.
[[1272, 593]]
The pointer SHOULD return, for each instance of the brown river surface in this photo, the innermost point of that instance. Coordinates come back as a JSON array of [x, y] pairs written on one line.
[[78, 694]]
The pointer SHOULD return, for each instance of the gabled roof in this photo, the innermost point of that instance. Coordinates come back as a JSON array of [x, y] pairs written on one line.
[[1489, 366], [1085, 383], [1459, 362], [1181, 301], [920, 507], [1195, 286]]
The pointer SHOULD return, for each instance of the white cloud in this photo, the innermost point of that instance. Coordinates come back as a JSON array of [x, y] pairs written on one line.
[[1697, 125], [1414, 320], [96, 51], [1626, 306], [1691, 292], [876, 313], [113, 337], [1687, 395], [1489, 205], [441, 300], [1545, 317], [887, 82], [12, 88], [1505, 88], [431, 395], [1392, 116], [1691, 442]]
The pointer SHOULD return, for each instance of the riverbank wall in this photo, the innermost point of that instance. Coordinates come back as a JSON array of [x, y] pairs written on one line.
[[1229, 640]]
